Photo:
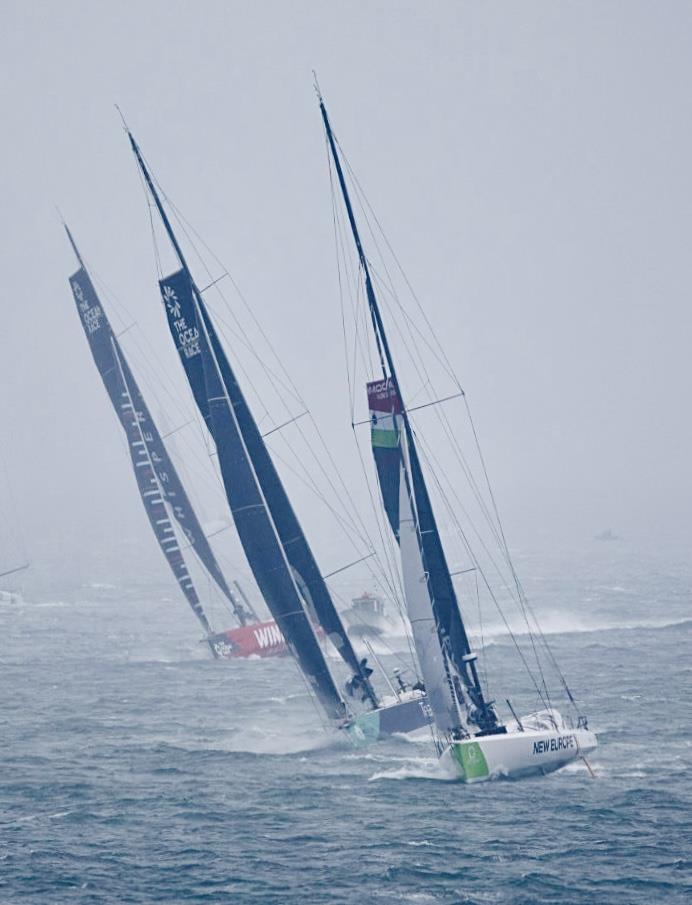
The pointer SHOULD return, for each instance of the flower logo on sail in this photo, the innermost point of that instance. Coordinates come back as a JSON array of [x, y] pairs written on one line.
[[171, 301]]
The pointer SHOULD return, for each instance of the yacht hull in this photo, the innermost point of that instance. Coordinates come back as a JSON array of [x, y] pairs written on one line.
[[408, 714], [517, 754], [261, 639]]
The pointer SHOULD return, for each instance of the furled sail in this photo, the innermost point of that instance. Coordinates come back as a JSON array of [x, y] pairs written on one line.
[[160, 487], [178, 297]]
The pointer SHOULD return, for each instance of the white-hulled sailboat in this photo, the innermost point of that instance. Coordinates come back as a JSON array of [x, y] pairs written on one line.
[[471, 738]]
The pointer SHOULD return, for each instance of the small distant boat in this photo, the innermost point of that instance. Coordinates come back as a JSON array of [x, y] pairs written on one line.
[[163, 495], [12, 597], [471, 738], [606, 535], [367, 617]]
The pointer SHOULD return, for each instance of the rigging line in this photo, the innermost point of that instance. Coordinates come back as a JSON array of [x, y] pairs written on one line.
[[307, 482], [343, 568], [417, 408], [188, 230], [344, 333], [421, 360], [16, 569], [472, 555], [428, 457], [376, 575], [421, 308], [388, 542], [213, 282], [175, 430], [281, 426], [510, 563], [343, 500], [356, 297], [112, 297], [364, 207], [484, 667], [443, 355], [498, 537], [408, 324], [186, 225], [158, 379], [182, 220], [420, 367], [147, 357]]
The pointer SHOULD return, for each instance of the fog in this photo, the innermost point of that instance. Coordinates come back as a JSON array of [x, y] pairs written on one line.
[[530, 164]]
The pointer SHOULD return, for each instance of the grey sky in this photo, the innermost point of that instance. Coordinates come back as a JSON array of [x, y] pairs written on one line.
[[531, 165]]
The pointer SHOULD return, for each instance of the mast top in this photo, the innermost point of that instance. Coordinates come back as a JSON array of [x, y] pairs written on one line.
[[72, 241], [316, 86], [124, 121]]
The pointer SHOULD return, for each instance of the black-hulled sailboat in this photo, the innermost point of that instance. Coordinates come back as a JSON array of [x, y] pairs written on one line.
[[275, 545], [472, 739], [162, 492]]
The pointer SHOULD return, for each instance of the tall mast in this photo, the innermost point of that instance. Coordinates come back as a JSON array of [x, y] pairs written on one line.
[[267, 485], [159, 207], [460, 652]]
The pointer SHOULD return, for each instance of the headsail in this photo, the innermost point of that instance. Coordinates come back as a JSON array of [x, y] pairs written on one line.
[[160, 487], [451, 633], [177, 293], [268, 529]]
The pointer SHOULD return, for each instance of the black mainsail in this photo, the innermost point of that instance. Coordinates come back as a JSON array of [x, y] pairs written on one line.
[[459, 659], [160, 487], [274, 543]]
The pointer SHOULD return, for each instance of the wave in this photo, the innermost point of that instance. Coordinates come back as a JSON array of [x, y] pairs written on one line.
[[428, 768], [561, 624]]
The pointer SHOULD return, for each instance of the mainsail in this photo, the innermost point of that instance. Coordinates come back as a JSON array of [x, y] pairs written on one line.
[[158, 482], [458, 661], [274, 543]]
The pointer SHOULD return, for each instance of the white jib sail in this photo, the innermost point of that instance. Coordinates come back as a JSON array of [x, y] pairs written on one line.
[[420, 611]]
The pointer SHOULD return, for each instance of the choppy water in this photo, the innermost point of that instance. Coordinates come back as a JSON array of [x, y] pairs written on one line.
[[134, 769]]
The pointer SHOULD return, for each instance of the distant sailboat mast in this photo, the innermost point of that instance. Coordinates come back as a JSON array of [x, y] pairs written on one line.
[[458, 658]]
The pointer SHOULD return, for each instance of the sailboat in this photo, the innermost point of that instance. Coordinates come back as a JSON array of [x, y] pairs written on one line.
[[12, 596], [472, 740], [159, 485], [271, 535]]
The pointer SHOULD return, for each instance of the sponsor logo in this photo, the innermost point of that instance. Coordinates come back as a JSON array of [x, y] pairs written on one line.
[[92, 315], [561, 743], [268, 636], [188, 337], [223, 649]]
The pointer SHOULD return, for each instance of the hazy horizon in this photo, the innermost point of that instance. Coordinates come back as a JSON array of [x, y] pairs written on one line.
[[529, 163]]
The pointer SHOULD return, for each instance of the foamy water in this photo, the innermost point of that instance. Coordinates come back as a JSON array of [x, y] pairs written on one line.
[[135, 769]]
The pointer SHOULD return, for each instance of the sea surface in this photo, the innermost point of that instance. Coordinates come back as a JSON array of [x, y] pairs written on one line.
[[135, 769]]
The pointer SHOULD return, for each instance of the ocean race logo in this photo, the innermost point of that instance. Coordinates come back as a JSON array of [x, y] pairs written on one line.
[[91, 314], [188, 337], [561, 743]]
